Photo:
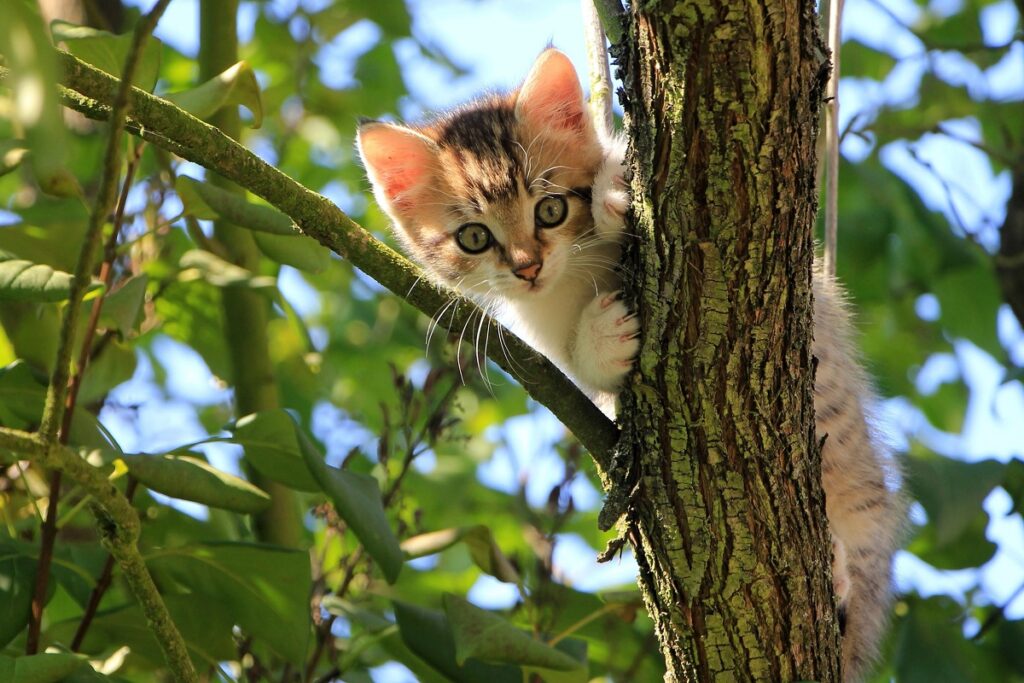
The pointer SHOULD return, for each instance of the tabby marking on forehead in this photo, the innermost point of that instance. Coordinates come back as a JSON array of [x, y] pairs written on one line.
[[483, 142]]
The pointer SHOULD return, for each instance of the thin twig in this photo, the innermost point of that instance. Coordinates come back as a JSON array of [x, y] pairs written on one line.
[[835, 25], [118, 522], [102, 584], [62, 392], [996, 616], [600, 73]]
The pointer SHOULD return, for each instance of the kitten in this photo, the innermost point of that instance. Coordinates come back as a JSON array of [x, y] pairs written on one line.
[[517, 202]]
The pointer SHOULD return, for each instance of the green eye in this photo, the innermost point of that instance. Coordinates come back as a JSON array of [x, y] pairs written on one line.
[[473, 238], [550, 211]]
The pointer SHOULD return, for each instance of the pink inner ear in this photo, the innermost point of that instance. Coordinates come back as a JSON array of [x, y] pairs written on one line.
[[398, 161], [551, 95]]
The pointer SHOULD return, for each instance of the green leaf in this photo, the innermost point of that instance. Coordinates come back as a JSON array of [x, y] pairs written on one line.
[[207, 632], [236, 85], [429, 635], [945, 407], [1013, 482], [951, 491], [488, 637], [22, 394], [28, 53], [970, 549], [22, 280], [298, 251], [11, 154], [198, 264], [862, 61], [264, 589], [478, 539], [208, 202], [114, 365], [187, 478], [357, 500], [391, 15], [108, 52], [46, 668], [970, 299], [122, 307], [17, 582], [268, 439], [930, 645]]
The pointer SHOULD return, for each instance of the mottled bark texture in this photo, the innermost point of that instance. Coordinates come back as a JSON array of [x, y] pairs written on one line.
[[728, 516]]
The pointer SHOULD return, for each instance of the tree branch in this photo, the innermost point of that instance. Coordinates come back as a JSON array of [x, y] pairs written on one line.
[[119, 526], [165, 125], [597, 68], [118, 522], [835, 40]]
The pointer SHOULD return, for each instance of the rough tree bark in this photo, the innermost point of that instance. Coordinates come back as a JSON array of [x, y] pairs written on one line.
[[728, 518]]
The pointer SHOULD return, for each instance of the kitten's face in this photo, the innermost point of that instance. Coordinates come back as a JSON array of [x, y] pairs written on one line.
[[492, 198]]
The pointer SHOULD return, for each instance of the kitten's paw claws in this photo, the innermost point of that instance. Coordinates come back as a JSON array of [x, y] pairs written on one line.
[[607, 341], [609, 299]]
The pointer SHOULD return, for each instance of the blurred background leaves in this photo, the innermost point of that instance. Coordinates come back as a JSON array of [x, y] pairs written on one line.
[[933, 126]]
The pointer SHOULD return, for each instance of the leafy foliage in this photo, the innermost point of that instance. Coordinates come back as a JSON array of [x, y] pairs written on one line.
[[385, 447]]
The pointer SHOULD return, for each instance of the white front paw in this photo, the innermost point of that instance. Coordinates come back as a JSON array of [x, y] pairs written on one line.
[[610, 197], [607, 341]]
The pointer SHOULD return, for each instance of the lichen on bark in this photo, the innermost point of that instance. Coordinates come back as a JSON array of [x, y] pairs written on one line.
[[728, 517]]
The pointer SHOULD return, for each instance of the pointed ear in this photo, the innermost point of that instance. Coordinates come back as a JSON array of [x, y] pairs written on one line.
[[551, 97], [400, 162]]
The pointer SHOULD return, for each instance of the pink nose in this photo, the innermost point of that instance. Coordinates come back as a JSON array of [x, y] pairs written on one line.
[[528, 272]]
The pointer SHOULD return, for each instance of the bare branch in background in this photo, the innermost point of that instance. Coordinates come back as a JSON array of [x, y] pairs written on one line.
[[835, 34]]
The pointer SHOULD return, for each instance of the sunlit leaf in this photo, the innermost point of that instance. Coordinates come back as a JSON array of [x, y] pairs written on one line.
[[264, 589], [122, 307], [478, 539], [199, 264], [204, 624], [45, 668], [22, 280], [209, 202], [236, 85], [484, 635], [108, 52], [271, 447], [11, 154], [187, 478], [35, 107], [298, 251]]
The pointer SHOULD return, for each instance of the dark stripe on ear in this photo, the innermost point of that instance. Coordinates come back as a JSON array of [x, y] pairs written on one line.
[[584, 193]]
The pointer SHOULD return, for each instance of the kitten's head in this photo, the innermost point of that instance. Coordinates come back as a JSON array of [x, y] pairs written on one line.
[[491, 197]]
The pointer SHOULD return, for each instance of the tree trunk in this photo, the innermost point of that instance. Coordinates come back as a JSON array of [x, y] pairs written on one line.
[[728, 517]]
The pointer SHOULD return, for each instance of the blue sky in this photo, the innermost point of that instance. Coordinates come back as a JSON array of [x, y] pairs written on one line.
[[497, 42]]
